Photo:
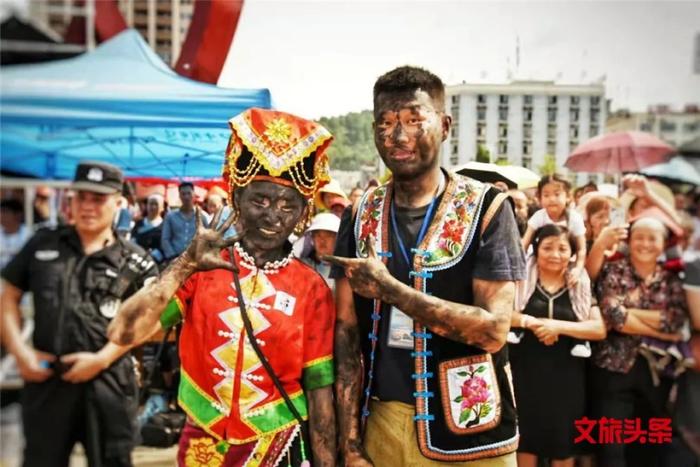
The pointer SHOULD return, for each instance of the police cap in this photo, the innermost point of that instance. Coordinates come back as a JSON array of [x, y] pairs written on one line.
[[98, 177]]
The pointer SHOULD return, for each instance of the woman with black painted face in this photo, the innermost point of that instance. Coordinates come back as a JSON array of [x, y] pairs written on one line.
[[250, 399]]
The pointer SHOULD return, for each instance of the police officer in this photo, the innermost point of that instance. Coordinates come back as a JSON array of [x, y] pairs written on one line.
[[79, 387]]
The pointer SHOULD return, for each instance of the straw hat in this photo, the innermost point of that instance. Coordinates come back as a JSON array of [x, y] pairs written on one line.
[[333, 187], [658, 188]]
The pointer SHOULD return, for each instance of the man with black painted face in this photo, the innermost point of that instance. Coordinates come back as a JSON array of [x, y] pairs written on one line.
[[240, 411], [424, 292]]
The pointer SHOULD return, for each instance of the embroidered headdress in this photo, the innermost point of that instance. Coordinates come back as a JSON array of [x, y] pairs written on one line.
[[278, 147]]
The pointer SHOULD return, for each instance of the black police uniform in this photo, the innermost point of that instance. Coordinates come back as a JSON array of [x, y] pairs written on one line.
[[75, 298]]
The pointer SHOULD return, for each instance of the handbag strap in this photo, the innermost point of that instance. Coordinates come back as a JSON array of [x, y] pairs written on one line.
[[261, 356]]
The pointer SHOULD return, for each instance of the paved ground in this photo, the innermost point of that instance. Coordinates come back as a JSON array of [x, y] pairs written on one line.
[[11, 443], [142, 457]]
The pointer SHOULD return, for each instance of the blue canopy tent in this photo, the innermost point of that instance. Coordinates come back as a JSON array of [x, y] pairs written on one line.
[[119, 103]]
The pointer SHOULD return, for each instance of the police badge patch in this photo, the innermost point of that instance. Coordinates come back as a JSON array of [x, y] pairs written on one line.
[[109, 307]]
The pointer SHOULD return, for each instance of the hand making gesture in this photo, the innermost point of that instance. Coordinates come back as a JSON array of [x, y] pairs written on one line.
[[204, 251], [368, 276]]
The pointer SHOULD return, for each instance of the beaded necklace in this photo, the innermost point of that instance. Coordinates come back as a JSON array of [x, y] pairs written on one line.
[[271, 267]]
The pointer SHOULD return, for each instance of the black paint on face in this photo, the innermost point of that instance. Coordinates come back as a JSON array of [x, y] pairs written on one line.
[[268, 214], [408, 131]]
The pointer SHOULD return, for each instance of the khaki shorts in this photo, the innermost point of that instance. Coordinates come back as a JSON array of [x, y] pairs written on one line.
[[390, 440]]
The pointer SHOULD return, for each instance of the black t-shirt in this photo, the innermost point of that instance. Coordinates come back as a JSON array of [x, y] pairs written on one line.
[[75, 296], [499, 258]]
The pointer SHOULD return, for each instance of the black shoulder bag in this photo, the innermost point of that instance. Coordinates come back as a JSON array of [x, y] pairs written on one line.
[[265, 363]]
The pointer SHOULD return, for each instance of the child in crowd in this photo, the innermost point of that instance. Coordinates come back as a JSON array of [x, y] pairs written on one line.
[[554, 195]]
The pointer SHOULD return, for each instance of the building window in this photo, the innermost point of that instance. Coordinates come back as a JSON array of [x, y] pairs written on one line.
[[527, 162], [453, 131], [575, 100], [455, 149], [573, 132], [455, 99], [667, 126], [572, 145], [551, 147], [503, 99], [552, 100], [480, 114], [528, 116], [552, 115], [480, 130], [503, 113], [503, 131], [454, 160], [644, 126], [502, 147], [691, 127], [481, 99], [551, 131], [527, 100], [595, 115], [454, 111], [594, 130], [595, 101], [527, 147], [574, 115], [527, 131]]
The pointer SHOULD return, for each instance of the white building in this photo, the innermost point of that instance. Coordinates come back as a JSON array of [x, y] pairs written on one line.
[[674, 127], [162, 23], [523, 121]]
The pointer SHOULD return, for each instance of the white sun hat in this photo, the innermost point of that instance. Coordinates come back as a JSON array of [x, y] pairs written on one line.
[[325, 221]]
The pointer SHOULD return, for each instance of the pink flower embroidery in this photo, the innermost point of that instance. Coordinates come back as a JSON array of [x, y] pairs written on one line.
[[475, 390], [474, 399]]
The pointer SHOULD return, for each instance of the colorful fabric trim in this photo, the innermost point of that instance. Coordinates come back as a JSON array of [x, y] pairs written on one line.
[[197, 449], [276, 416], [172, 314], [319, 373], [450, 233], [196, 403]]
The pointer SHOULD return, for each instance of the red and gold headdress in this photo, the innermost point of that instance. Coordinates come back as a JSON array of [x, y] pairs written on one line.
[[278, 147]]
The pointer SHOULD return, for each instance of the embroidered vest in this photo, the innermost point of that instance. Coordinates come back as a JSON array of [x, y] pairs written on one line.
[[465, 408]]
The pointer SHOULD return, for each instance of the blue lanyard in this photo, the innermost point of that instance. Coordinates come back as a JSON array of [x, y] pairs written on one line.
[[421, 233]]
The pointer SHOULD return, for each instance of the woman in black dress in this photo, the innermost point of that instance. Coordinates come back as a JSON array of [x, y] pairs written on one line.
[[548, 374]]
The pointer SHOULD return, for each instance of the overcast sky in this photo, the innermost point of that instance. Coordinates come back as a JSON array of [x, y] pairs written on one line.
[[321, 58]]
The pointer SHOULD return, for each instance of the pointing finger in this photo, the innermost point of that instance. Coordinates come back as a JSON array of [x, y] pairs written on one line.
[[217, 217], [197, 219], [228, 223], [371, 251], [338, 260]]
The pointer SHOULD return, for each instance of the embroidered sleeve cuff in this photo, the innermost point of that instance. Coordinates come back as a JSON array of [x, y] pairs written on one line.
[[318, 373], [172, 313]]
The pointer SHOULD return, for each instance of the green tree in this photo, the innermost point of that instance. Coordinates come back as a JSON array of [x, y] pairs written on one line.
[[353, 145], [483, 154], [549, 165]]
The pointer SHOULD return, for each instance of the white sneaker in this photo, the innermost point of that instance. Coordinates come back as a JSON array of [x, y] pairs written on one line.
[[581, 350], [514, 338]]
